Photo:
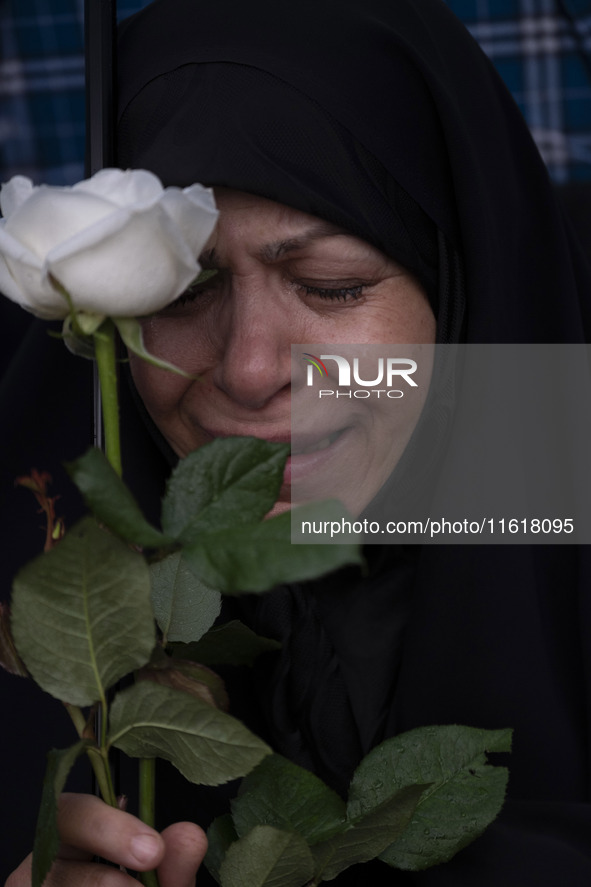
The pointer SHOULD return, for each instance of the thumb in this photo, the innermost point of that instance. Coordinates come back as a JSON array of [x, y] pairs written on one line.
[[185, 845]]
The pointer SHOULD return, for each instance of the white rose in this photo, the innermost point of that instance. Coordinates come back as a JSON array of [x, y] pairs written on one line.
[[119, 243]]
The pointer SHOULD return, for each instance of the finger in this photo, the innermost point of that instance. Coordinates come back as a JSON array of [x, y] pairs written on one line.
[[72, 874], [185, 846], [21, 877], [89, 827]]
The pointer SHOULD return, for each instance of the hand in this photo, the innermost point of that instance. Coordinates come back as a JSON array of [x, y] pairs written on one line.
[[89, 827]]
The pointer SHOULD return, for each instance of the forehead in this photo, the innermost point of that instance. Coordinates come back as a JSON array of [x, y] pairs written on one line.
[[261, 211], [273, 229]]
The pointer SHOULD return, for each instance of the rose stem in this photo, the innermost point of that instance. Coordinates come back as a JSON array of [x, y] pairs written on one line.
[[105, 352], [104, 348], [147, 807], [104, 344], [99, 761]]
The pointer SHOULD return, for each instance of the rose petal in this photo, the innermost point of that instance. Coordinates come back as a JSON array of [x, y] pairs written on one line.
[[195, 213], [9, 287], [53, 216], [119, 243], [132, 263], [14, 193], [123, 187], [21, 280]]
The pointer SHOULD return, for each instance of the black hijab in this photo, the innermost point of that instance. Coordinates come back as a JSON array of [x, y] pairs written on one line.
[[374, 115], [387, 119]]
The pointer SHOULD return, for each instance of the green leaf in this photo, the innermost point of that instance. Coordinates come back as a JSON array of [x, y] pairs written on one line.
[[81, 614], [183, 606], [256, 557], [267, 857], [130, 331], [465, 796], [190, 677], [111, 501], [220, 834], [232, 643], [232, 480], [47, 838], [208, 746], [281, 794], [368, 836]]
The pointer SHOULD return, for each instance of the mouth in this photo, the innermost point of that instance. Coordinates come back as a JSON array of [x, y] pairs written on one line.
[[313, 459], [302, 448]]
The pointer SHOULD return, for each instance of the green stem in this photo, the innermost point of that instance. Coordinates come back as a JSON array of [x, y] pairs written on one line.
[[104, 344], [147, 809], [147, 790], [98, 758], [105, 352], [77, 717]]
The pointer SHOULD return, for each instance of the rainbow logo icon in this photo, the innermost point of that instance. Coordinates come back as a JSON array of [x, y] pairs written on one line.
[[314, 361]]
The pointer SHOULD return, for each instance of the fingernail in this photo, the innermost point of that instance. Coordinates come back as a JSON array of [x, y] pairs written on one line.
[[145, 847]]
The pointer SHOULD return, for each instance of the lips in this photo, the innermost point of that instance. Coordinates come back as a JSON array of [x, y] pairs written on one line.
[[304, 446], [301, 444]]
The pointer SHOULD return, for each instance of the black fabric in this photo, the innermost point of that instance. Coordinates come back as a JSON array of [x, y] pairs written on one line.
[[409, 86], [432, 162], [303, 156]]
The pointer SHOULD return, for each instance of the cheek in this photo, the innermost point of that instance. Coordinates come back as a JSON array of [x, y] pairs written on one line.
[[410, 318], [161, 391], [179, 340]]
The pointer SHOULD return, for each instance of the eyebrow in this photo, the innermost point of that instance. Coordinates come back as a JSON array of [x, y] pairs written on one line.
[[273, 251]]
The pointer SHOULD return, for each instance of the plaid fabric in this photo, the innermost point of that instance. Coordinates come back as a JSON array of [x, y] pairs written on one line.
[[42, 88], [542, 48]]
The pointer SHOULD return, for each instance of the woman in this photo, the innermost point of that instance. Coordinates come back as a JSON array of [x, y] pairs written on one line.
[[386, 122]]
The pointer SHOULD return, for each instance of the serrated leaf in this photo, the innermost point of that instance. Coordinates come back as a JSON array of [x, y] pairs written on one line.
[[130, 331], [281, 794], [256, 557], [184, 607], [110, 500], [47, 837], [220, 834], [367, 836], [190, 677], [465, 796], [208, 746], [267, 857], [232, 643], [82, 616], [232, 480]]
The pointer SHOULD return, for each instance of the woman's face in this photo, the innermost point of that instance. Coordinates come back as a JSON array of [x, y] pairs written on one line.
[[283, 277]]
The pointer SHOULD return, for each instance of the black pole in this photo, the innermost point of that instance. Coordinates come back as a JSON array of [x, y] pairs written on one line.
[[100, 24], [100, 18]]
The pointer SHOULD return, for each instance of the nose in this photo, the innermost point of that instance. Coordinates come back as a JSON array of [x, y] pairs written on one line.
[[255, 349]]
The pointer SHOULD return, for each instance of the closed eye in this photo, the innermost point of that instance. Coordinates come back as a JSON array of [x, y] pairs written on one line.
[[342, 293]]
